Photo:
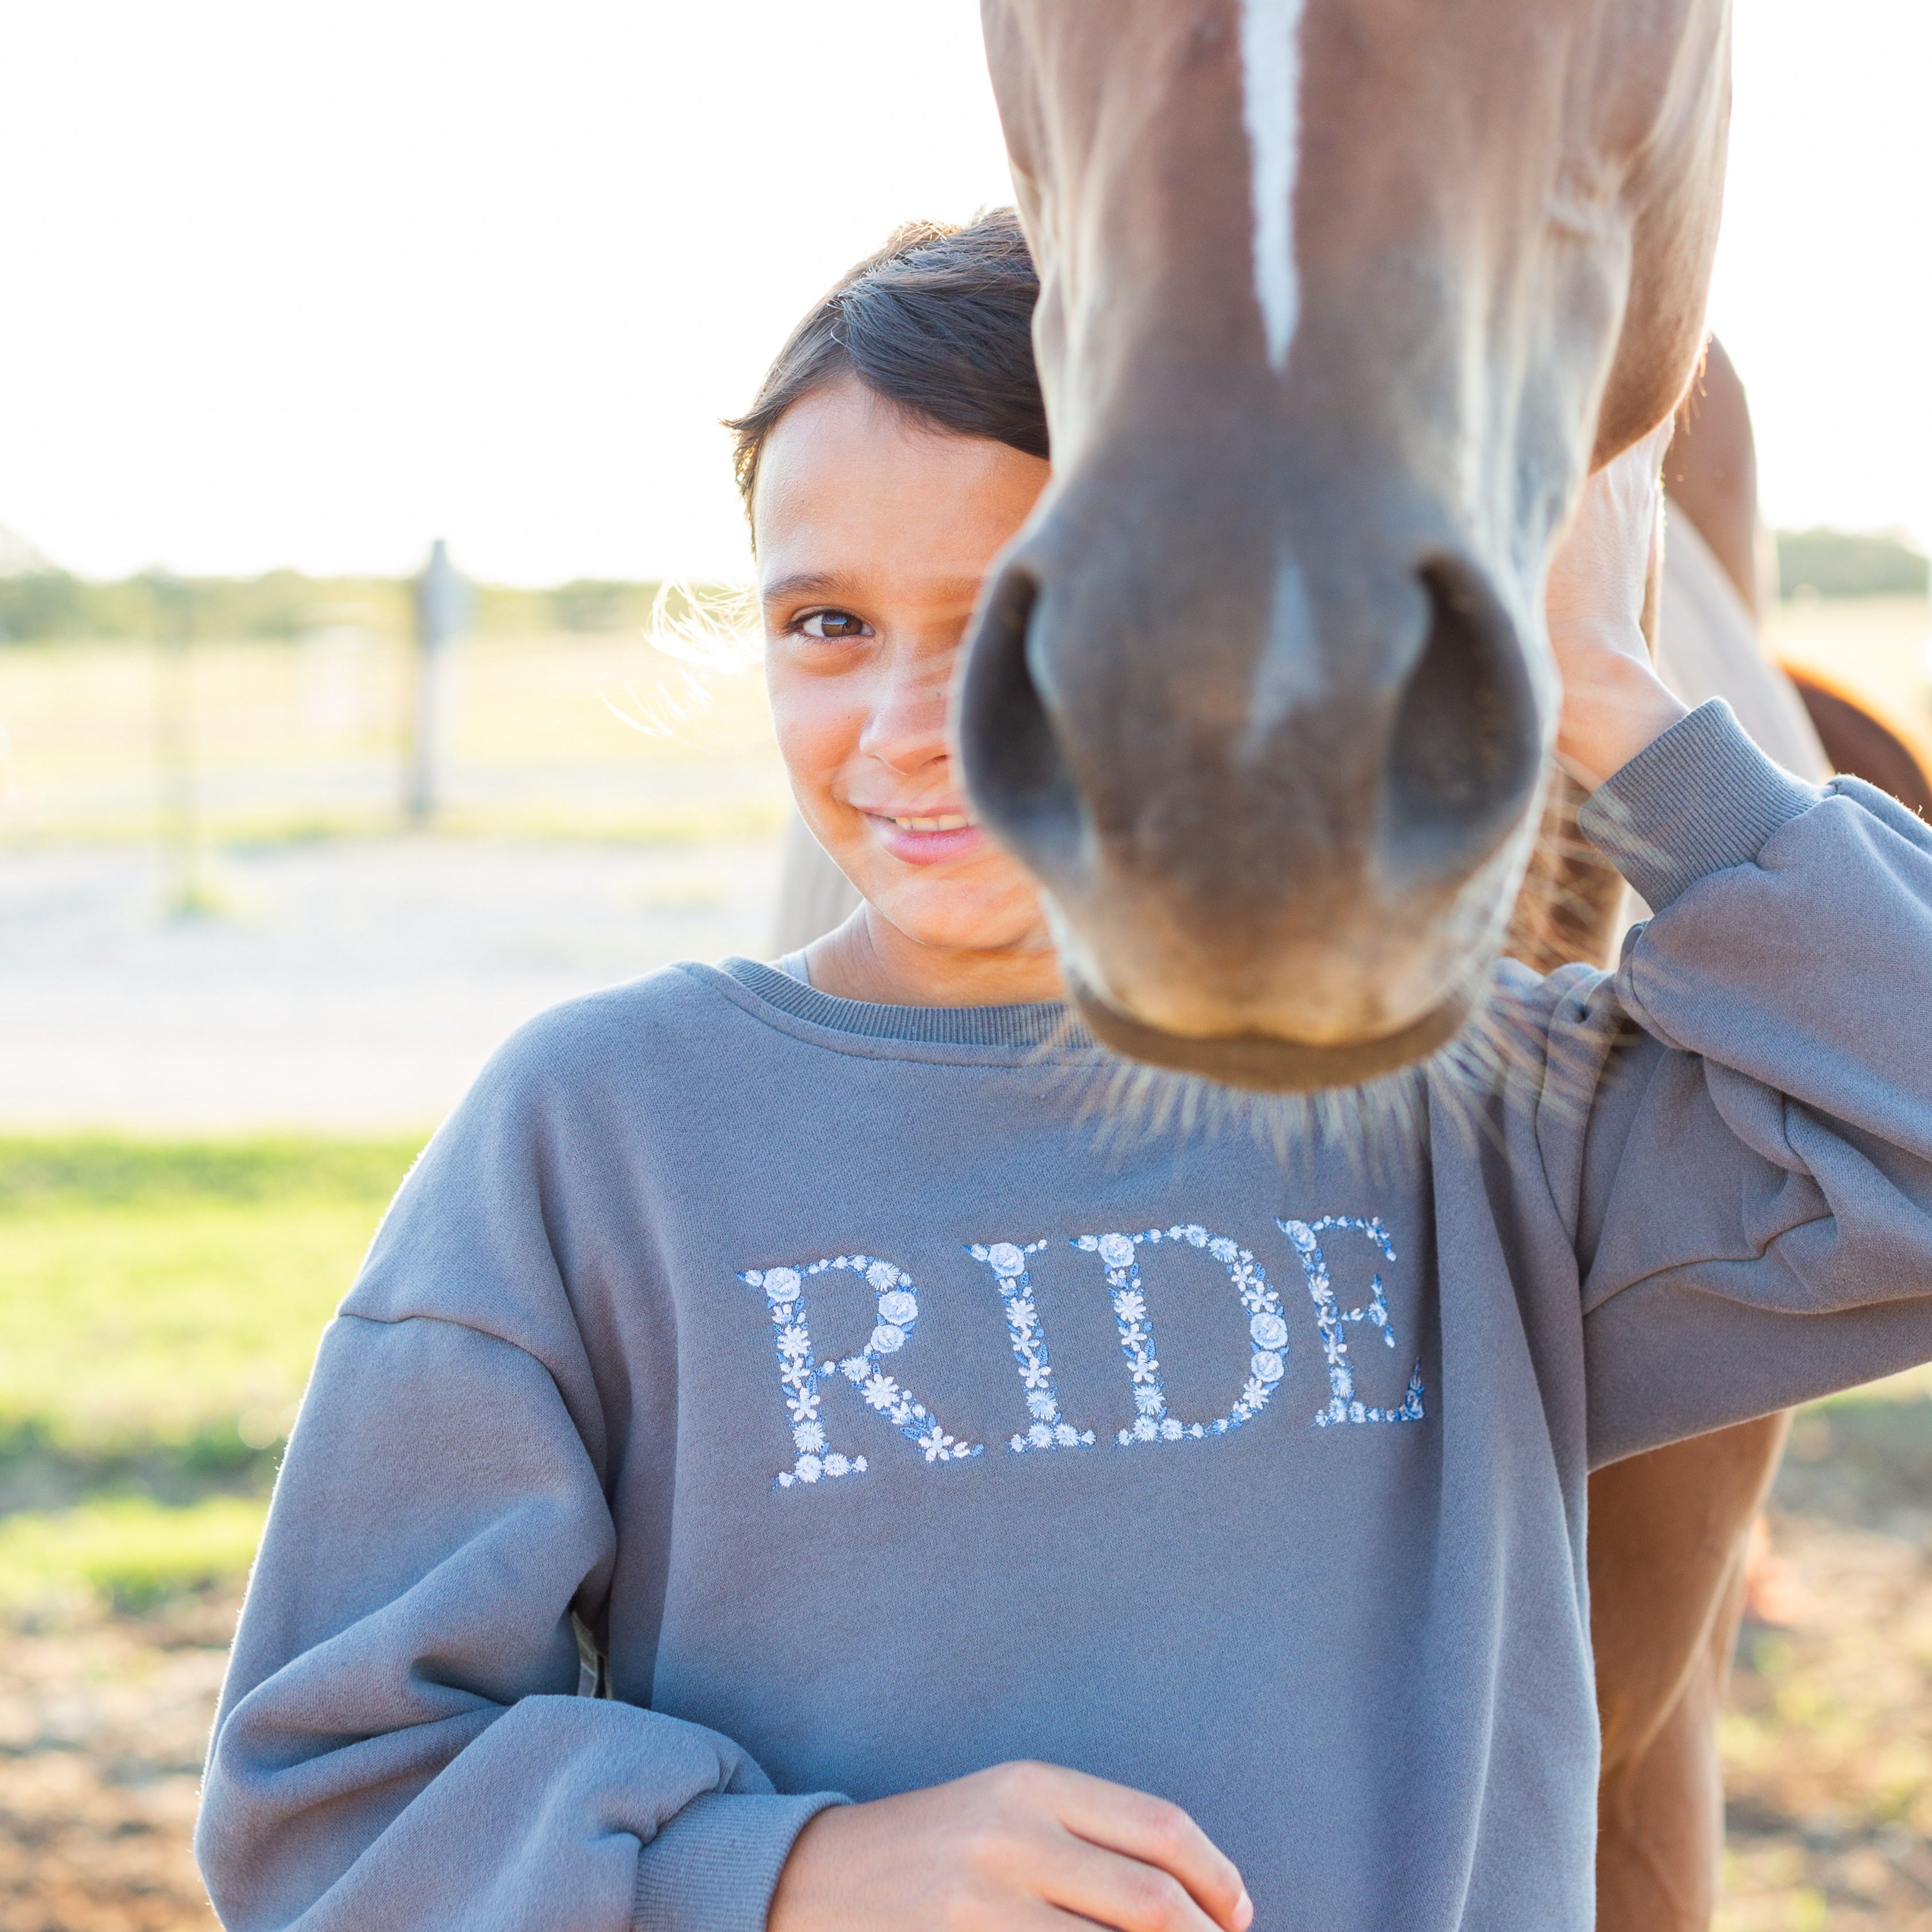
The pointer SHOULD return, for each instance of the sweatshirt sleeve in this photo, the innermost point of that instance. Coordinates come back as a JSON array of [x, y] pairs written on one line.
[[1753, 1196], [398, 1743]]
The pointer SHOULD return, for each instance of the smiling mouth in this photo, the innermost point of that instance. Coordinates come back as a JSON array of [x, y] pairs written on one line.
[[950, 821]]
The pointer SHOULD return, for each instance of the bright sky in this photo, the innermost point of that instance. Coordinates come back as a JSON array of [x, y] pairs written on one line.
[[310, 284]]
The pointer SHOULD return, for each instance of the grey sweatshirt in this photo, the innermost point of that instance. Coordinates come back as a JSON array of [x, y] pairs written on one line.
[[889, 1396]]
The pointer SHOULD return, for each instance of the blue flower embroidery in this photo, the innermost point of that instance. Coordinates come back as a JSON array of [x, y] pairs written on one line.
[[1267, 1332], [1048, 1430], [1344, 1405], [801, 1379]]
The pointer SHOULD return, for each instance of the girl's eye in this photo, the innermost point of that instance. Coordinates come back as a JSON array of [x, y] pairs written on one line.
[[833, 624]]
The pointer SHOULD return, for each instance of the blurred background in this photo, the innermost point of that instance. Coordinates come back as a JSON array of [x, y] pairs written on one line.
[[360, 370]]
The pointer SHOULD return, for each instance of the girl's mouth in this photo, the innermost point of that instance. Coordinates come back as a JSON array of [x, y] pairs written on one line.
[[926, 839]]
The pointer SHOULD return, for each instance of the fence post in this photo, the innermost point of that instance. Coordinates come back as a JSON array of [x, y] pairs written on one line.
[[441, 611]]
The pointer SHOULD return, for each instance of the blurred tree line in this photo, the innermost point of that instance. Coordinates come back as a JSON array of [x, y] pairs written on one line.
[[1848, 563], [52, 604], [38, 605]]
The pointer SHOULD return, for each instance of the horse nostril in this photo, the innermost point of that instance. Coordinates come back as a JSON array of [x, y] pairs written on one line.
[[1466, 750], [1016, 769]]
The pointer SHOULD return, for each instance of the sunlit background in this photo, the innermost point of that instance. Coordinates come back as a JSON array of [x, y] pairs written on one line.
[[294, 291], [299, 285]]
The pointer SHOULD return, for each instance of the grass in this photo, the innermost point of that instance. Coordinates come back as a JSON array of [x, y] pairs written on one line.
[[128, 1553], [1876, 645], [162, 1302]]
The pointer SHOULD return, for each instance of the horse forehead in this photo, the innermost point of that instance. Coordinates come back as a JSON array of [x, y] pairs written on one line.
[[1077, 66]]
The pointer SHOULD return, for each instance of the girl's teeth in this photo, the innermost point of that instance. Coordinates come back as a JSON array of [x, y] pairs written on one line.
[[952, 822]]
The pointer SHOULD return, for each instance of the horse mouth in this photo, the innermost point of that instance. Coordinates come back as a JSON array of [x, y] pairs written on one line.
[[1264, 1064]]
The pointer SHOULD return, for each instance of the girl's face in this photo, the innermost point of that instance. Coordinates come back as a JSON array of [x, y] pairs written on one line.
[[874, 532]]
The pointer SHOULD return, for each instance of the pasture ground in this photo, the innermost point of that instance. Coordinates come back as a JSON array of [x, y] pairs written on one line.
[[263, 951]]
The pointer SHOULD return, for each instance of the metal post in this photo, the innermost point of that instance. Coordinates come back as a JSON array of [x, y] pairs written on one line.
[[441, 612]]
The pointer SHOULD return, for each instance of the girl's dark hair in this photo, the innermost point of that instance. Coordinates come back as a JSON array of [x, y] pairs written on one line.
[[939, 322]]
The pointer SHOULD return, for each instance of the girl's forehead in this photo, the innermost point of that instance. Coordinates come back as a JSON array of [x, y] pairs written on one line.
[[847, 478]]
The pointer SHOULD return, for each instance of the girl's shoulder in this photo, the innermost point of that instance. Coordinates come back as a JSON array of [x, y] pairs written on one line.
[[659, 1024]]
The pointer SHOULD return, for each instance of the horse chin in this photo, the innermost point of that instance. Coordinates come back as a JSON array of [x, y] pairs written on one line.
[[1265, 1064]]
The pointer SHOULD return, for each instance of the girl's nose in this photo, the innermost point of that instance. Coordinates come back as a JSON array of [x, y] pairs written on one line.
[[906, 729]]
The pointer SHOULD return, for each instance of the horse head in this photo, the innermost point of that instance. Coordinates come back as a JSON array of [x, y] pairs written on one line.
[[1341, 302]]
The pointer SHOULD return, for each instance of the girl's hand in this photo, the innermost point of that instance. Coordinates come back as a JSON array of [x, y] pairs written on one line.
[[1020, 1848], [1614, 702]]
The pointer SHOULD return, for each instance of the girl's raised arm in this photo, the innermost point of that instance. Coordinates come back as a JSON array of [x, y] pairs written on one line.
[[1752, 1180]]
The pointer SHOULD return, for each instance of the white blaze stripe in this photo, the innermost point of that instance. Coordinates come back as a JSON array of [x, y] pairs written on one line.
[[1271, 113]]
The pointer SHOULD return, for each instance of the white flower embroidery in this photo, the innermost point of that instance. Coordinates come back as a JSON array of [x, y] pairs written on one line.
[[940, 1447], [897, 1310], [1344, 1405], [1267, 1328], [1048, 1429]]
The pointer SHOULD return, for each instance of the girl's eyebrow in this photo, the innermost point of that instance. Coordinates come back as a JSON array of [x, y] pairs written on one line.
[[801, 583], [831, 584]]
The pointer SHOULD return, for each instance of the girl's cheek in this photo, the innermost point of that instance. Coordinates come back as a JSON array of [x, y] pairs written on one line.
[[818, 724]]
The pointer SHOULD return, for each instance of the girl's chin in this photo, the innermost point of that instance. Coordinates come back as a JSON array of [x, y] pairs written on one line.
[[955, 919]]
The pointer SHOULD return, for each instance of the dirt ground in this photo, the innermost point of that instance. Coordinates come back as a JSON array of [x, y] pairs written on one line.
[[103, 1722], [1828, 1743]]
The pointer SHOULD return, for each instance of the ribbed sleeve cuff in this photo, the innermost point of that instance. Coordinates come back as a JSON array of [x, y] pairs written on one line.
[[1698, 799], [715, 1866]]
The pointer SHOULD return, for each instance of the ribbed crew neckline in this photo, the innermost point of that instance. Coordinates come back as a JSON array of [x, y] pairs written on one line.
[[1038, 1023]]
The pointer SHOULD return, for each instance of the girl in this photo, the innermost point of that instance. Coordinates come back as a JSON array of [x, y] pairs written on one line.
[[969, 1514]]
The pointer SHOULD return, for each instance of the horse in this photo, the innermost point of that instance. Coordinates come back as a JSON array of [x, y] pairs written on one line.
[[1342, 300], [1340, 303], [1667, 1530]]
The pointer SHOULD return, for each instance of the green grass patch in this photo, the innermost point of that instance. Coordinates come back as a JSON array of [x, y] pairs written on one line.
[[165, 1299], [125, 1553], [92, 1171]]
